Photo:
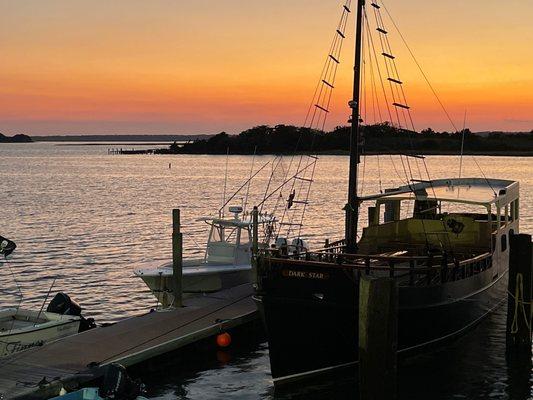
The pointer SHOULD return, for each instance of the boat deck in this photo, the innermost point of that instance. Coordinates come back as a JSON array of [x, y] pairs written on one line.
[[80, 358]]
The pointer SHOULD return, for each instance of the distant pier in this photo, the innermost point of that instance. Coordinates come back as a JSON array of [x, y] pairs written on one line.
[[130, 151]]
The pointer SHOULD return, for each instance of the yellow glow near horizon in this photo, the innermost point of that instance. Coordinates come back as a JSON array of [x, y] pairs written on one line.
[[200, 66]]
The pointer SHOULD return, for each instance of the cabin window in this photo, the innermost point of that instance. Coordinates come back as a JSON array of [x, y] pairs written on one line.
[[514, 209], [503, 243], [233, 235], [216, 234]]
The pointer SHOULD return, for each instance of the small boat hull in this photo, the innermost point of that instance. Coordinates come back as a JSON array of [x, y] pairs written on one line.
[[195, 280], [31, 330], [309, 334]]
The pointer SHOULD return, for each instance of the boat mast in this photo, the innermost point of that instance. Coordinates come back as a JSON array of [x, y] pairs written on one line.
[[352, 207]]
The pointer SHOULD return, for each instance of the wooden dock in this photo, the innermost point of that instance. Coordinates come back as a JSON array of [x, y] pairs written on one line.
[[39, 373]]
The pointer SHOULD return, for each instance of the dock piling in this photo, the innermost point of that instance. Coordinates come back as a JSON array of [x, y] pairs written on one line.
[[177, 257], [378, 338], [519, 308]]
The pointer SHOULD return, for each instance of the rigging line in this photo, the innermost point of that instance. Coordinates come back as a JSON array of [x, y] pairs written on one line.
[[405, 171], [283, 184], [395, 169], [305, 204], [249, 181], [462, 148], [377, 66], [322, 74], [328, 62], [404, 96], [362, 186], [242, 186], [19, 292], [363, 78], [225, 185], [432, 89], [274, 167], [375, 100], [419, 66], [379, 175], [323, 99], [386, 54]]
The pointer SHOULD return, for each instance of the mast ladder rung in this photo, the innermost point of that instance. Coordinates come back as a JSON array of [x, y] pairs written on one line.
[[388, 55], [322, 108], [334, 59], [328, 84], [290, 224], [395, 81], [347, 9], [300, 202], [382, 31], [401, 106], [341, 34], [375, 6], [303, 179]]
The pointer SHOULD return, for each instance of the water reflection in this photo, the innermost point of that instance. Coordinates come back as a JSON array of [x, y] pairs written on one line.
[[88, 219]]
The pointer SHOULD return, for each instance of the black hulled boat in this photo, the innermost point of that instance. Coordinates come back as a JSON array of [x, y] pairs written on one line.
[[444, 241]]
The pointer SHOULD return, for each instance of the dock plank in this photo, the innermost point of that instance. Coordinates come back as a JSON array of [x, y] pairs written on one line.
[[129, 342]]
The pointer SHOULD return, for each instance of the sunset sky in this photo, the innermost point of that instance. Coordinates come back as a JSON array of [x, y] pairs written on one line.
[[205, 66]]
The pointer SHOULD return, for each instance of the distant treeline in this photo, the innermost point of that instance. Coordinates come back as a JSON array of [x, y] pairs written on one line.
[[118, 138], [378, 139], [15, 139]]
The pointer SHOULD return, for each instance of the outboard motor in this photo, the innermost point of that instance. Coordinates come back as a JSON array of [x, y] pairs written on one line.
[[118, 385], [62, 304]]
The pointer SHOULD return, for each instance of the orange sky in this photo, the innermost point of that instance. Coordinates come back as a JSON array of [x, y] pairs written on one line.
[[184, 66]]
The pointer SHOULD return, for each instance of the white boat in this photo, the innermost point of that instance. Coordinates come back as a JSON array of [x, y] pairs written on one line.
[[21, 329], [226, 263]]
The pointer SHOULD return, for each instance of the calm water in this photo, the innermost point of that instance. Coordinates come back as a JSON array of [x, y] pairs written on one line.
[[86, 219]]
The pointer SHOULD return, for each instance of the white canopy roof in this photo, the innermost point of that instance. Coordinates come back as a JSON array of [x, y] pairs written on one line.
[[460, 190]]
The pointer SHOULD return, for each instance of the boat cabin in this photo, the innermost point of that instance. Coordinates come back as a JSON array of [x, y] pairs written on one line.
[[230, 239], [464, 217]]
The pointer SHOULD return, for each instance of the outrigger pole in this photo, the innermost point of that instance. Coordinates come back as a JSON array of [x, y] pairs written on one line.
[[352, 207]]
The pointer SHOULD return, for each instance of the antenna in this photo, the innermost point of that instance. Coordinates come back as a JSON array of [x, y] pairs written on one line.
[[45, 300], [221, 211], [249, 180]]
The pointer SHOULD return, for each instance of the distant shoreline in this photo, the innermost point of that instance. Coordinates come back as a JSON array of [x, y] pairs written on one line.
[[121, 138], [375, 139], [80, 143]]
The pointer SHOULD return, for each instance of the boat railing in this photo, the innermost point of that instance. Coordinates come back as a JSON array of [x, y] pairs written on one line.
[[410, 270]]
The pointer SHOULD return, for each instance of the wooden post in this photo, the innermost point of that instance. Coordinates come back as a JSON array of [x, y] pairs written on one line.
[[177, 257], [255, 243], [378, 337], [519, 295]]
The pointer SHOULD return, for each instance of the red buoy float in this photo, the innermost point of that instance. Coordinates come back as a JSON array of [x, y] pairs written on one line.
[[223, 339]]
